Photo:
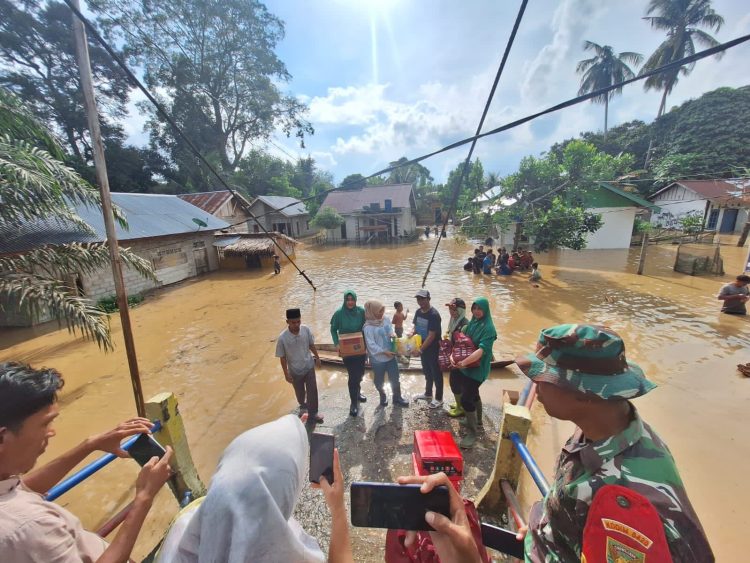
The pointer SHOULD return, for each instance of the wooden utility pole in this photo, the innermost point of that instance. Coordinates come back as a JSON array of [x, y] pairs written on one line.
[[84, 68], [642, 259], [743, 236]]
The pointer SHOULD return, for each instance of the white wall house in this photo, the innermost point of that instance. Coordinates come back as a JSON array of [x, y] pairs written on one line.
[[722, 204], [373, 213], [281, 214], [618, 209], [175, 237]]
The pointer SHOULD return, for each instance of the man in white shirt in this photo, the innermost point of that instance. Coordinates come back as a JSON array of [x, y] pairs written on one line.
[[33, 529]]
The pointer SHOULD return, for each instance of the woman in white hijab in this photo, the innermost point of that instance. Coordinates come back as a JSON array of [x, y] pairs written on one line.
[[247, 513]]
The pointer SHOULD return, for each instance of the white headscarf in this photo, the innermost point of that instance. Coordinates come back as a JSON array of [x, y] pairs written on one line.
[[247, 514]]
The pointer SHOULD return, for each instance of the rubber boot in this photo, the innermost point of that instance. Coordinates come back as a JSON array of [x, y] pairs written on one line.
[[383, 398], [480, 425], [456, 410], [398, 400], [470, 438]]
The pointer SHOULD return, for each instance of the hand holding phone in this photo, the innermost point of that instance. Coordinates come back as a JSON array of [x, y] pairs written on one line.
[[396, 507], [321, 457], [144, 448], [452, 535]]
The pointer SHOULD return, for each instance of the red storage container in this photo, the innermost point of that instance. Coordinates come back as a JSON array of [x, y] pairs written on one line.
[[436, 451]]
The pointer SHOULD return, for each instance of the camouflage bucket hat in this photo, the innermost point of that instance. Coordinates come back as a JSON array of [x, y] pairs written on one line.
[[589, 359]]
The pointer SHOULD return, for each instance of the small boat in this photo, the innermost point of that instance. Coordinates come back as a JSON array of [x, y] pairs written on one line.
[[329, 355]]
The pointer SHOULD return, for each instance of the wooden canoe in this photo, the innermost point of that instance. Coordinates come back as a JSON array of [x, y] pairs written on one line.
[[329, 355]]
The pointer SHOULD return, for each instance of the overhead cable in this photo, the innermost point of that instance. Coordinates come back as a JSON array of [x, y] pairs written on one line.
[[134, 79], [467, 162]]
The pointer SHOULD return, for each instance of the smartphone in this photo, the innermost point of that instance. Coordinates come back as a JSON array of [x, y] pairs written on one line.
[[321, 457], [144, 448], [502, 540], [396, 507]]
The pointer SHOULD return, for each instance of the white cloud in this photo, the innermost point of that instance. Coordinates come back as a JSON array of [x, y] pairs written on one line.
[[324, 159]]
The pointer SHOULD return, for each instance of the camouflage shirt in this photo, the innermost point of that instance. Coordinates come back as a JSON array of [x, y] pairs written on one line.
[[636, 458]]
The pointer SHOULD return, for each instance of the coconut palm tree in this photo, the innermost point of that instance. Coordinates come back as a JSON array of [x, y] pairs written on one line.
[[604, 69], [681, 20], [37, 188]]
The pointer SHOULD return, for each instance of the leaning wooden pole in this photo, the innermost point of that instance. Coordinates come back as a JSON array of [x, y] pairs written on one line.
[[84, 67], [644, 248]]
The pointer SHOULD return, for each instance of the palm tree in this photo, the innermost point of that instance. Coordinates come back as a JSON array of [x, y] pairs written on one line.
[[681, 20], [604, 69], [409, 174], [36, 186]]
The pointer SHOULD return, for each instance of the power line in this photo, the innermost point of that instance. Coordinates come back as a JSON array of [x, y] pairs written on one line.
[[467, 162], [193, 148]]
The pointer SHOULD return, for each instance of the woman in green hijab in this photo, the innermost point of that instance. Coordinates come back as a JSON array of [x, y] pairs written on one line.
[[347, 320], [482, 332]]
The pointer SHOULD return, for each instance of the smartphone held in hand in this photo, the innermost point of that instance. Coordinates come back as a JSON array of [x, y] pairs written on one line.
[[144, 448], [395, 507], [321, 457]]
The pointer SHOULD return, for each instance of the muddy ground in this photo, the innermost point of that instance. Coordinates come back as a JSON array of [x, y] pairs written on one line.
[[377, 446]]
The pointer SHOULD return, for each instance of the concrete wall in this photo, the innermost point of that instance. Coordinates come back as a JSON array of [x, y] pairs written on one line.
[[407, 222], [299, 225], [173, 258], [616, 229], [232, 213], [675, 203]]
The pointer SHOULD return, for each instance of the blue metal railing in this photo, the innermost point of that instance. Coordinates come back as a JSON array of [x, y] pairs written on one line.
[[530, 464], [87, 471]]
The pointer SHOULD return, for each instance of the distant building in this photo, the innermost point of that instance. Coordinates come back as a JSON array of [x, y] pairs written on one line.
[[224, 205], [618, 209], [252, 250], [281, 214], [722, 204], [374, 213], [174, 236]]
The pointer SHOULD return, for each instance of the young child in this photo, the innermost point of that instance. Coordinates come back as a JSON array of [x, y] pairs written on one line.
[[398, 318], [536, 275], [276, 264]]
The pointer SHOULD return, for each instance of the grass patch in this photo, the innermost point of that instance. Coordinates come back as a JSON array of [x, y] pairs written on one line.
[[109, 304]]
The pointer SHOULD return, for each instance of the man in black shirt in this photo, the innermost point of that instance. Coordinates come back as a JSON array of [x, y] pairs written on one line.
[[427, 324]]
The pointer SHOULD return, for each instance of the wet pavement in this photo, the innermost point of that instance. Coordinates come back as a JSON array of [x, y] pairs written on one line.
[[211, 341]]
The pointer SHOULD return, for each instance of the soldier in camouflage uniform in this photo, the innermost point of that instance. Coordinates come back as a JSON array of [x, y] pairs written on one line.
[[582, 375]]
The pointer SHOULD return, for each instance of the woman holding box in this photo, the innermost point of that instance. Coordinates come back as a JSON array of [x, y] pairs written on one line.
[[350, 319]]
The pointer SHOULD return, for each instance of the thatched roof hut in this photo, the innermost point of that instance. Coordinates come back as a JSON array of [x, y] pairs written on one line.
[[254, 244]]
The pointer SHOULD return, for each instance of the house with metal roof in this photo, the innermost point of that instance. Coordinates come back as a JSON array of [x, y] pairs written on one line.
[[224, 205], [618, 208], [285, 215], [723, 204], [173, 235], [374, 213]]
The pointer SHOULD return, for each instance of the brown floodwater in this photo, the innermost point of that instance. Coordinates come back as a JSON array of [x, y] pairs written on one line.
[[211, 341]]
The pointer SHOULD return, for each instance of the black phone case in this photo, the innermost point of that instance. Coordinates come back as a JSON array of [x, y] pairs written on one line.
[[502, 540], [395, 507], [144, 448], [317, 468]]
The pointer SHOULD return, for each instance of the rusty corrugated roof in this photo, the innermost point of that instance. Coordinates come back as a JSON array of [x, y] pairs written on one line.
[[208, 201]]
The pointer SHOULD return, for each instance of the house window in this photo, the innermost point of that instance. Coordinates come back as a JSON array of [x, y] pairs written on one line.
[[713, 219]]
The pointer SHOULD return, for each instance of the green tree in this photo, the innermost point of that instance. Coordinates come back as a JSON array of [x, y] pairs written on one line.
[[414, 174], [38, 63], [216, 64], [327, 218], [353, 182], [681, 19], [35, 186], [551, 192], [604, 69]]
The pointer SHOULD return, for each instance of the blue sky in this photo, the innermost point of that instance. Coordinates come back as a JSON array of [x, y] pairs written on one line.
[[391, 78]]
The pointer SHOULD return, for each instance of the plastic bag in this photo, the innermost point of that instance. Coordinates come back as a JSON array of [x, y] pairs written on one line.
[[463, 347], [406, 344], [444, 355]]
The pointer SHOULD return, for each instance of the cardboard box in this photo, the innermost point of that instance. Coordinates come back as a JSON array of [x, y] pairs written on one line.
[[436, 451], [352, 344]]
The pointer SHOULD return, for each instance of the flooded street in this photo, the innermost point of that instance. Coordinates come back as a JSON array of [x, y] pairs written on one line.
[[211, 341]]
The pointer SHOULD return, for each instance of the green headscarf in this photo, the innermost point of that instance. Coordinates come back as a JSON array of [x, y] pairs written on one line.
[[483, 334], [347, 321]]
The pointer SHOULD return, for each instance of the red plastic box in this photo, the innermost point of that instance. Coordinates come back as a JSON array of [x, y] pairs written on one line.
[[436, 451]]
